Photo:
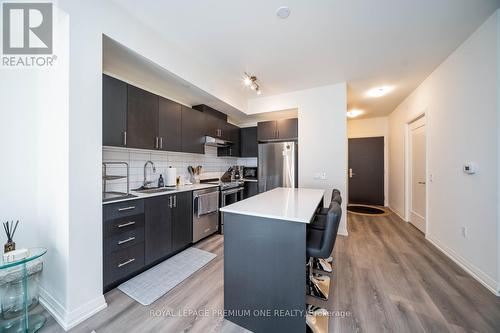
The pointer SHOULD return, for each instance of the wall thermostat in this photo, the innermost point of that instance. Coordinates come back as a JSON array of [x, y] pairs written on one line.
[[470, 168]]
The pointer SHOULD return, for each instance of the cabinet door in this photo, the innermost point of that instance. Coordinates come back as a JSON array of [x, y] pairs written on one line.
[[169, 125], [142, 119], [182, 220], [266, 130], [226, 130], [287, 129], [234, 137], [114, 112], [158, 228], [193, 131], [248, 142], [212, 127]]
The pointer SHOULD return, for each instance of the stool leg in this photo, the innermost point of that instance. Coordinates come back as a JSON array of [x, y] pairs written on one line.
[[323, 265], [319, 285], [316, 319]]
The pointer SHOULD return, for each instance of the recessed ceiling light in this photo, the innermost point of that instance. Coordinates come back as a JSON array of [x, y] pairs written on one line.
[[354, 113], [379, 91], [283, 12]]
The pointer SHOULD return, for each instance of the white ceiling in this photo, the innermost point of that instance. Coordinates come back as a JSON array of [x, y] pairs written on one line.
[[364, 42]]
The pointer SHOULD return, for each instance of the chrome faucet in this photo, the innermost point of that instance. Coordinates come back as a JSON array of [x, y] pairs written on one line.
[[146, 182]]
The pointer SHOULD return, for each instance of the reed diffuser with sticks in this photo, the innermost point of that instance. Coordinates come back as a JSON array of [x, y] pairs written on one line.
[[10, 230]]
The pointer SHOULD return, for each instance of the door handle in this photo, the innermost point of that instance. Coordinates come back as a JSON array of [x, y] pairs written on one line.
[[351, 174], [421, 183]]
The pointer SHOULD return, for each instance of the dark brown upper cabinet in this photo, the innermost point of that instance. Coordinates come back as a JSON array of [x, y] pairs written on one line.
[[215, 122], [114, 112], [169, 125], [248, 142], [193, 131], [267, 130], [233, 134], [286, 129], [142, 119]]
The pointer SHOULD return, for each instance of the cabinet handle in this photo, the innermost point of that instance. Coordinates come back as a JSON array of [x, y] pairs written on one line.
[[126, 208], [126, 224], [126, 240], [126, 262], [125, 138], [175, 201], [277, 134], [161, 142], [170, 202], [156, 142], [230, 151]]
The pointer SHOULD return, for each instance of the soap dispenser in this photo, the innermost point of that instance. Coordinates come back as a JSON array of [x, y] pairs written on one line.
[[161, 183]]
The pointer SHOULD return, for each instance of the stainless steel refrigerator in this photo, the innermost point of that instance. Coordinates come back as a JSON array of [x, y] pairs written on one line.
[[277, 165]]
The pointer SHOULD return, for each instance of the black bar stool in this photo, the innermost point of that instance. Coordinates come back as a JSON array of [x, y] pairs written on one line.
[[320, 244], [319, 223]]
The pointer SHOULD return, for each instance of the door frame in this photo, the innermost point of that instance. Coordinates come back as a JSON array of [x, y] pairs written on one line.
[[423, 114], [386, 163]]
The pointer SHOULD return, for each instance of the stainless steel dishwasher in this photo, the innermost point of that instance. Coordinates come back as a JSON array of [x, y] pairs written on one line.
[[205, 212]]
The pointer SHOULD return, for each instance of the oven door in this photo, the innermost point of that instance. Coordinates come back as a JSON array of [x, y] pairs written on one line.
[[229, 197]]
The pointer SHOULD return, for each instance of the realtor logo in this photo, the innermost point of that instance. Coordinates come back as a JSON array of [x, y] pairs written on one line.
[[27, 28], [27, 35]]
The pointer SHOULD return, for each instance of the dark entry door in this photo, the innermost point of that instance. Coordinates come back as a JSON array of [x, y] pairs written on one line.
[[366, 171]]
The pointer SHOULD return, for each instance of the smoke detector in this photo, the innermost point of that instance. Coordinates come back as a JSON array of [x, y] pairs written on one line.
[[283, 12]]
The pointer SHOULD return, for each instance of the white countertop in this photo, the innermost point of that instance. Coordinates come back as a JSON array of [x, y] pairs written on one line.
[[291, 204], [178, 189]]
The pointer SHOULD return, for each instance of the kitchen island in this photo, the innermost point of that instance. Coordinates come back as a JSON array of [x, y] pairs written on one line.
[[265, 257]]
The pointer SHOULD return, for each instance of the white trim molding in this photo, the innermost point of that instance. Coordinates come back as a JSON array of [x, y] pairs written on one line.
[[70, 319], [480, 276]]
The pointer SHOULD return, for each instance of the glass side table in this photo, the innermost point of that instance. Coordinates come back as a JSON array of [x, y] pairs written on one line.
[[19, 293]]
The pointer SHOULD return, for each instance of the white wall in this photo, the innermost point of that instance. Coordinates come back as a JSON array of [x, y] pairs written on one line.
[[373, 127], [322, 134], [34, 144], [461, 102]]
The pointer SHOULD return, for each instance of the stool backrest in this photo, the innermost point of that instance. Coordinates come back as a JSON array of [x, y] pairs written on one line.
[[331, 229], [336, 196]]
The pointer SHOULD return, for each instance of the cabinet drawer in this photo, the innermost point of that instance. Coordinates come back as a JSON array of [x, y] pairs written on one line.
[[123, 224], [122, 209], [120, 264], [124, 240]]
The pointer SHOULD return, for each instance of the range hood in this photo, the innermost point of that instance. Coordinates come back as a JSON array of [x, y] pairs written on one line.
[[215, 142]]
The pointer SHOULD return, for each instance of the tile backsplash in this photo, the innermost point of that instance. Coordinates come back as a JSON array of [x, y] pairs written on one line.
[[212, 165]]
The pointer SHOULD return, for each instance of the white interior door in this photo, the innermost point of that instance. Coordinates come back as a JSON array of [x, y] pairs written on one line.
[[418, 173]]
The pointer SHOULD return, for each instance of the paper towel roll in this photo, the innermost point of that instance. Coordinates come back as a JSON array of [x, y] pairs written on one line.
[[171, 178]]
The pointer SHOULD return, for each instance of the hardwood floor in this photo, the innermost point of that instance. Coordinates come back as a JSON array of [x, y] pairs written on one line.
[[388, 278]]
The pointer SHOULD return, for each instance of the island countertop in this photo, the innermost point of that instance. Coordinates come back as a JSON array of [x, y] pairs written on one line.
[[291, 204]]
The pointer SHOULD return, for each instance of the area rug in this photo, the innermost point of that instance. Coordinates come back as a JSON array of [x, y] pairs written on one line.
[[150, 285], [367, 210]]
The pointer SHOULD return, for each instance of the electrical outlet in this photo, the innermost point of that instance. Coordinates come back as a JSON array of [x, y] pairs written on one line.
[[464, 231], [323, 175]]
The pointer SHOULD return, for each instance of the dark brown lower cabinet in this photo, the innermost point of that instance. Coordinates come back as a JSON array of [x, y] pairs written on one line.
[[158, 217], [182, 220], [140, 233], [250, 189]]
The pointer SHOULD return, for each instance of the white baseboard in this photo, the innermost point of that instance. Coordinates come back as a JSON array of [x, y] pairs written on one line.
[[70, 319], [474, 271], [343, 232], [397, 213]]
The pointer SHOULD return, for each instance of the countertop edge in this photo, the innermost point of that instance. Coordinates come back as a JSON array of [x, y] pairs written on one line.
[[139, 196]]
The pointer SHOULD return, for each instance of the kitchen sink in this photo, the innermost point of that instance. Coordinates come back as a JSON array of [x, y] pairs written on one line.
[[154, 190]]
